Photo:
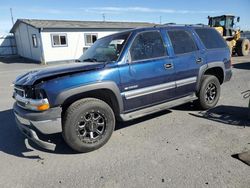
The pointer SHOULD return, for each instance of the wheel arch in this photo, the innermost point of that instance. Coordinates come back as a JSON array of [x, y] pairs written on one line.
[[216, 69], [106, 91]]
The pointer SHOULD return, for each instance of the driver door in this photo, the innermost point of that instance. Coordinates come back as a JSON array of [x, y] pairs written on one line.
[[148, 78]]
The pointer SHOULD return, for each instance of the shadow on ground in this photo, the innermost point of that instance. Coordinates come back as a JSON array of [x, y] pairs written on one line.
[[245, 65], [230, 115], [12, 141], [121, 125], [191, 106], [17, 59], [243, 157]]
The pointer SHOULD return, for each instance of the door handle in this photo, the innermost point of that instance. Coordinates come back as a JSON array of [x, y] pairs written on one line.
[[168, 65], [199, 60]]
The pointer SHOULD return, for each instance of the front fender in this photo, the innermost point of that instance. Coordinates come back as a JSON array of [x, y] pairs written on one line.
[[64, 95]]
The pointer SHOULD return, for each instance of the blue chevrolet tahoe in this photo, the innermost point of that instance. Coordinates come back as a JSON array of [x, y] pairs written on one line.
[[123, 76]]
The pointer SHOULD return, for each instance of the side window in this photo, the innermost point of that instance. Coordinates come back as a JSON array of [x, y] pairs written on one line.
[[147, 45], [59, 40], [182, 41], [90, 39], [34, 41], [211, 38]]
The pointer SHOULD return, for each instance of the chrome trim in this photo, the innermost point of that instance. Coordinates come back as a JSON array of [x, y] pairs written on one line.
[[186, 81], [19, 89], [157, 88], [148, 90]]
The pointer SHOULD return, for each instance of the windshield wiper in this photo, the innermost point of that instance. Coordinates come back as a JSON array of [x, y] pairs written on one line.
[[90, 59]]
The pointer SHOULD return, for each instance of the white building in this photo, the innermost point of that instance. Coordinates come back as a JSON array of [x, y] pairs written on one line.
[[59, 40]]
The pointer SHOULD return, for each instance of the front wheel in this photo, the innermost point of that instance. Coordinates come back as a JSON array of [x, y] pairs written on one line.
[[209, 93], [88, 124]]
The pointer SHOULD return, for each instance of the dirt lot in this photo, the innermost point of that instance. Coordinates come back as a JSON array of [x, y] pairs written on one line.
[[180, 147]]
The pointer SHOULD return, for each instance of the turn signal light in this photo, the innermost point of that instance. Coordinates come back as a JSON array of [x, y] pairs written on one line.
[[43, 107]]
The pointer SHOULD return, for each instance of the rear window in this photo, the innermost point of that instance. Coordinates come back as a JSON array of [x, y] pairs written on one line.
[[182, 41], [211, 38]]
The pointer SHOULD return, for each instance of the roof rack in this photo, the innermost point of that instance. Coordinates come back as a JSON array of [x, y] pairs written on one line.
[[174, 24], [170, 23]]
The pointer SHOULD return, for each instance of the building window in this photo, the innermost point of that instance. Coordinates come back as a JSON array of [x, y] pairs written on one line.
[[34, 41], [59, 40], [90, 39]]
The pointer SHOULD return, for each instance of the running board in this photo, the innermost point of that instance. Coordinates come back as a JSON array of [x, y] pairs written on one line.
[[157, 108]]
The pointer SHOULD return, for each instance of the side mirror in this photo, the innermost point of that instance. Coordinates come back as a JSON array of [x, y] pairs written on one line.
[[238, 19]]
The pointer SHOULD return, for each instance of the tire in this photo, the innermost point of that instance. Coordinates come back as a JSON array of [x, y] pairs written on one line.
[[209, 93], [242, 47], [88, 124]]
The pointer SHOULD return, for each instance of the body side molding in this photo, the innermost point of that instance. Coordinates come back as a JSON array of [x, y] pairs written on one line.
[[158, 88]]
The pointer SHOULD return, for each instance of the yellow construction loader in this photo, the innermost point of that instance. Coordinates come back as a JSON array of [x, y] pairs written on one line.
[[225, 25]]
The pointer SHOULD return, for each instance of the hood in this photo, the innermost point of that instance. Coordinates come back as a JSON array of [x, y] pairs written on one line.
[[34, 76]]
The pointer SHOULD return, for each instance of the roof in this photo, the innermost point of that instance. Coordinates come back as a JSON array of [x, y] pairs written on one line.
[[67, 24], [231, 15]]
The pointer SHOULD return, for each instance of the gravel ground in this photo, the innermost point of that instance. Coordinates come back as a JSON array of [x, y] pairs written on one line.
[[180, 147]]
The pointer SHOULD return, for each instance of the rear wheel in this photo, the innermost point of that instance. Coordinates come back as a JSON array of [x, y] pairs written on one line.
[[88, 124], [209, 93], [242, 47]]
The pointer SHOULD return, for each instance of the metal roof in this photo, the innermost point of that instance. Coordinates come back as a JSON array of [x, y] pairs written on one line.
[[67, 24], [222, 15]]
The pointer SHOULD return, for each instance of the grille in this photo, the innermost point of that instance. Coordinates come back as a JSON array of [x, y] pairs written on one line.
[[21, 104], [19, 92]]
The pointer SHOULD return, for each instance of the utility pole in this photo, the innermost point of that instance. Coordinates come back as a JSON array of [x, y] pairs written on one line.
[[12, 19], [103, 17]]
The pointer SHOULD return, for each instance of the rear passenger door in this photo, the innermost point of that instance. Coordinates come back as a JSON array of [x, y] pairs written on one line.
[[148, 77], [187, 60]]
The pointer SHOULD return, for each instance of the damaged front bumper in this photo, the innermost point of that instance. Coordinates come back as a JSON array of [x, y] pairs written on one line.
[[32, 124]]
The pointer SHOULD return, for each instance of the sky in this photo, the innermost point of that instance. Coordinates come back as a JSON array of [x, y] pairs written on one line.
[[155, 11]]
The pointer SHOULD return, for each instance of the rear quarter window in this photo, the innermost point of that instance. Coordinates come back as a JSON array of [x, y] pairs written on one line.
[[211, 38], [182, 41]]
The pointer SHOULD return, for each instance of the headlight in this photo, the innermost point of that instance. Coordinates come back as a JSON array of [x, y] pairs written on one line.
[[32, 104], [39, 103]]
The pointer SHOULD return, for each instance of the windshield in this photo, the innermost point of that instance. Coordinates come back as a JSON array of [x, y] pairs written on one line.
[[218, 22], [106, 49]]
